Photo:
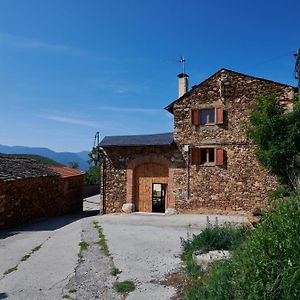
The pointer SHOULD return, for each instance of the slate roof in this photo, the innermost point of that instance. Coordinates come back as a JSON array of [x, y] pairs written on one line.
[[138, 140], [12, 168], [66, 172], [169, 107]]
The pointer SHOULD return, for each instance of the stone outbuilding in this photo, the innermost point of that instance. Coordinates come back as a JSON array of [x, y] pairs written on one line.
[[30, 189], [206, 165]]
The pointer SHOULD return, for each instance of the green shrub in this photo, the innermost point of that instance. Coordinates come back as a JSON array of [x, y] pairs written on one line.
[[265, 266], [225, 237]]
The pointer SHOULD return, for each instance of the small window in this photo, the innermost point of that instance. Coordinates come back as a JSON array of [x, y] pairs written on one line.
[[212, 116], [211, 156], [207, 116], [207, 155]]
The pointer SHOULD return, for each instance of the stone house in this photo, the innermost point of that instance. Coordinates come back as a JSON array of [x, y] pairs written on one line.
[[29, 189], [206, 165]]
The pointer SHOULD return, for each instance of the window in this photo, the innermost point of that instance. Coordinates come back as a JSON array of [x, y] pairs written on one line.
[[211, 116], [205, 156], [207, 116]]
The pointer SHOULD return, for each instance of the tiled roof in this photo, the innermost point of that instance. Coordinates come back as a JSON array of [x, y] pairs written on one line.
[[138, 140], [65, 172], [12, 168]]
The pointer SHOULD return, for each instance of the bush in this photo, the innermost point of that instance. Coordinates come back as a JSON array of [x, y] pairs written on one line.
[[265, 266], [226, 237]]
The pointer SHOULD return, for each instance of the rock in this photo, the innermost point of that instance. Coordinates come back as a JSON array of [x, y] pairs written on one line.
[[206, 259], [170, 211], [128, 208]]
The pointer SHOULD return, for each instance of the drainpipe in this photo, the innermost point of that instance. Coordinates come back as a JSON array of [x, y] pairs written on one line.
[[186, 149], [102, 188]]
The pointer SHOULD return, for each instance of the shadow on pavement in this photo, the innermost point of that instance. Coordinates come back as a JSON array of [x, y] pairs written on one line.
[[46, 224], [3, 295]]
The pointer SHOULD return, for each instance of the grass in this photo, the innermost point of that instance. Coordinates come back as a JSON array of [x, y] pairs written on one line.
[[226, 237], [83, 245], [37, 248], [10, 270], [264, 266], [25, 257], [66, 296], [102, 240], [126, 286], [72, 290], [115, 271]]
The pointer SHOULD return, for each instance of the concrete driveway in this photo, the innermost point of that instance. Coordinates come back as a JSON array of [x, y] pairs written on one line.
[[146, 247], [40, 260]]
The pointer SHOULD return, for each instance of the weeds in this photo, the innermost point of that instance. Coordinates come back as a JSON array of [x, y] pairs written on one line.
[[115, 271], [83, 245], [125, 286], [264, 266], [10, 270], [226, 237], [25, 257], [35, 249], [102, 241], [72, 290]]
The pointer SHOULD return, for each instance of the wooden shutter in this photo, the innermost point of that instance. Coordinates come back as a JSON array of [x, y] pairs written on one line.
[[219, 115], [219, 157], [195, 117], [195, 158]]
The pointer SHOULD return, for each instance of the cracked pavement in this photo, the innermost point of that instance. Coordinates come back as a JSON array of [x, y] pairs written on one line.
[[144, 247]]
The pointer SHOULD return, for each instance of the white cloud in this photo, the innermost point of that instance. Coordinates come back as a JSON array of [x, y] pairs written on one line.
[[130, 109], [69, 120], [23, 42]]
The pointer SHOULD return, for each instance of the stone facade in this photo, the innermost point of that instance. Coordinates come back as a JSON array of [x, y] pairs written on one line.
[[239, 184], [119, 167], [23, 200], [33, 191]]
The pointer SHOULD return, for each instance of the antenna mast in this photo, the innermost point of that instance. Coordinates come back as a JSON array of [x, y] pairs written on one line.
[[182, 61], [297, 69]]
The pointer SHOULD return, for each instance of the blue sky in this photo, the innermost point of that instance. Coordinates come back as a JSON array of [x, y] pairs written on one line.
[[71, 68]]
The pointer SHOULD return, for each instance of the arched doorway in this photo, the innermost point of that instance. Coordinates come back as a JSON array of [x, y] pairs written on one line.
[[150, 187]]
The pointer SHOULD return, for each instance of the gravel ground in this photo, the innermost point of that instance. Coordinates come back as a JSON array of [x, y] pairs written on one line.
[[92, 278]]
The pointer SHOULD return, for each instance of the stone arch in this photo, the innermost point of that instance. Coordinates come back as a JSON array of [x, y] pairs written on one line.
[[150, 159]]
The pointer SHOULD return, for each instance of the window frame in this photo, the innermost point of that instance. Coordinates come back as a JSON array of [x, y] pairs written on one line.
[[218, 113], [196, 156]]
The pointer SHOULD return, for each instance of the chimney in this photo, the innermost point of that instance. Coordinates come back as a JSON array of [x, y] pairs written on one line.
[[183, 84]]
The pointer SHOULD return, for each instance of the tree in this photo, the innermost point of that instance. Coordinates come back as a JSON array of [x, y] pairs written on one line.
[[92, 176], [73, 164], [276, 132]]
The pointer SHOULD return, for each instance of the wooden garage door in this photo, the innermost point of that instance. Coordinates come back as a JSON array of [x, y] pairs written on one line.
[[144, 176]]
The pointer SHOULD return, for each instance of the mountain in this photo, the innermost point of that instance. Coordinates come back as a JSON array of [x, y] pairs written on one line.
[[61, 157]]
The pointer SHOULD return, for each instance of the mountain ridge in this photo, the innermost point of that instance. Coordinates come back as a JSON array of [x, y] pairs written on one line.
[[61, 157]]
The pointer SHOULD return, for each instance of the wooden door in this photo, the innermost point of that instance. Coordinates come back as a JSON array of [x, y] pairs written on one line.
[[144, 176]]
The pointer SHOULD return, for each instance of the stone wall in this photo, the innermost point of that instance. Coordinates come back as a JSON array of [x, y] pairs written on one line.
[[118, 163], [25, 199], [241, 184]]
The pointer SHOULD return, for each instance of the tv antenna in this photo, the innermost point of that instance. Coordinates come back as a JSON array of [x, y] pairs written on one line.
[[182, 61], [297, 68]]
